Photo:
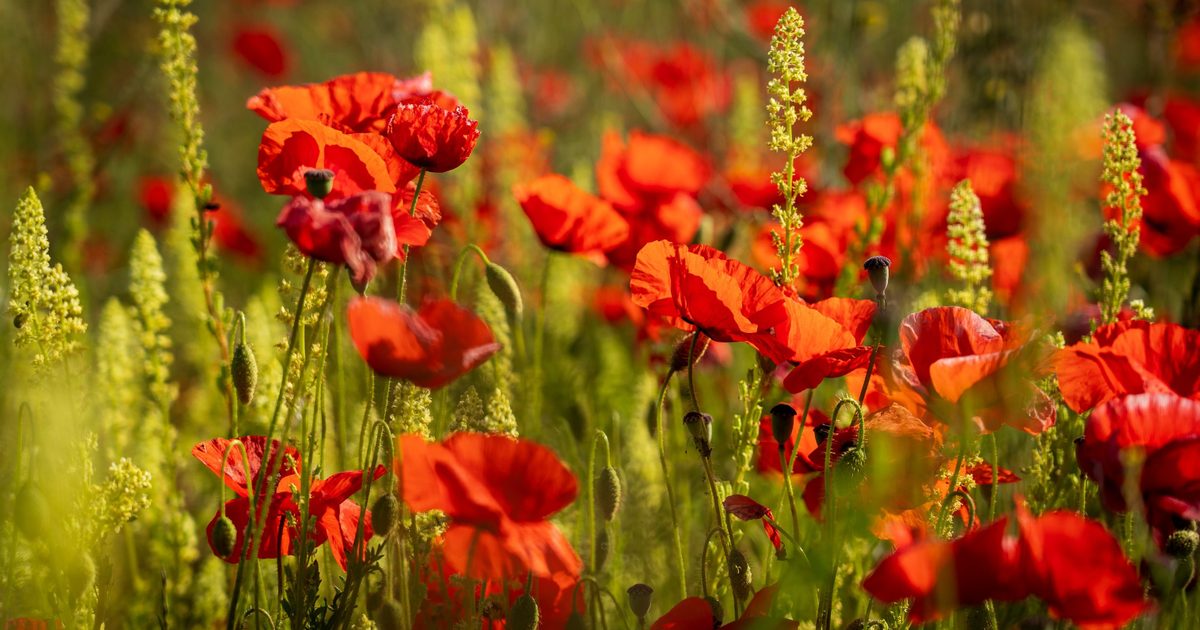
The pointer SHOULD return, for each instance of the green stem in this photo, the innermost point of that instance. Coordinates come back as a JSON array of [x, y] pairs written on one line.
[[412, 212], [662, 458], [461, 262], [995, 478]]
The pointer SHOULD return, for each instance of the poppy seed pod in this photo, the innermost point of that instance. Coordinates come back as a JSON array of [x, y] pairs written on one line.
[[224, 537], [1182, 544], [640, 597], [383, 514], [319, 182], [718, 611], [700, 426], [524, 614], [853, 463], [608, 493], [81, 574], [683, 351], [877, 271], [739, 574], [783, 418], [505, 288], [243, 368]]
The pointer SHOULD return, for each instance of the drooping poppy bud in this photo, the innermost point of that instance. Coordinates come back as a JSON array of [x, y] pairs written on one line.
[[524, 614], [783, 418], [1182, 544], [978, 617], [608, 493], [505, 288], [684, 353], [877, 271], [700, 426], [224, 537], [640, 598], [319, 182], [853, 461], [384, 513], [739, 574], [243, 368]]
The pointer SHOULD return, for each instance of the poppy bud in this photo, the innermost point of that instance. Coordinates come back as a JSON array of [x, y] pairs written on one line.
[[602, 548], [852, 464], [576, 622], [32, 512], [1182, 544], [389, 615], [821, 432], [505, 288], [683, 351], [640, 596], [608, 493], [19, 320], [700, 426], [224, 537], [739, 574], [243, 368], [783, 418], [877, 271], [383, 514], [718, 611], [524, 614], [319, 182]]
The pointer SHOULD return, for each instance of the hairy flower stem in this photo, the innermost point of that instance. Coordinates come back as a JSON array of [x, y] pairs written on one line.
[[790, 461], [954, 476], [692, 372], [727, 531], [412, 212], [825, 608], [254, 525], [600, 439], [662, 459], [461, 262]]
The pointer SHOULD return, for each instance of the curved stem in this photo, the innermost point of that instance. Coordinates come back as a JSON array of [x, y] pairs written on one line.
[[662, 458], [958, 462], [704, 559], [460, 262], [968, 501], [727, 528]]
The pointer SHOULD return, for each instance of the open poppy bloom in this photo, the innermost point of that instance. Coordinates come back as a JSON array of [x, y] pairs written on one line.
[[855, 318], [335, 517], [1129, 357], [352, 103], [431, 136], [290, 148], [569, 219], [355, 231], [951, 354], [429, 348], [1165, 429], [498, 493], [697, 613]]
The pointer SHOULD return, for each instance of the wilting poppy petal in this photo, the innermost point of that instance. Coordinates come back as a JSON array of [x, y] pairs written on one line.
[[747, 509], [355, 231]]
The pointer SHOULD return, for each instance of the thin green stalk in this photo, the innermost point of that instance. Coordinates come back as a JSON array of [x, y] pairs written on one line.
[[460, 263], [662, 458], [412, 212]]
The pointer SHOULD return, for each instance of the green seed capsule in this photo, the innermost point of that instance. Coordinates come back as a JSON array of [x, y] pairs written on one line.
[[224, 537], [524, 614], [504, 286], [608, 493], [383, 514], [243, 368]]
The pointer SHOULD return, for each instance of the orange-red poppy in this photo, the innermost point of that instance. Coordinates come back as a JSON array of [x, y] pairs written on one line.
[[352, 103], [355, 231], [498, 493], [431, 135], [1129, 357], [568, 219], [292, 147], [429, 347]]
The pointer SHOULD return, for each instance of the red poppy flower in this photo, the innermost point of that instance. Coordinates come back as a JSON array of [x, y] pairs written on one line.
[[820, 260], [430, 347], [855, 318], [675, 218], [1165, 429], [1077, 567], [649, 165], [355, 231], [950, 353], [868, 137], [442, 607], [992, 170], [431, 136], [352, 103], [698, 286], [767, 459], [1171, 207], [335, 516], [570, 220], [416, 228], [747, 509], [682, 80], [290, 148], [498, 494], [1129, 357], [260, 47], [1182, 114], [696, 612]]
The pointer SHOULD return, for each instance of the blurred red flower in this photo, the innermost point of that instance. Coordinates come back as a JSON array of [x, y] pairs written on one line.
[[431, 135], [157, 194], [1129, 357], [292, 147], [355, 231], [352, 103], [697, 613], [442, 607], [854, 317], [498, 493], [261, 47], [569, 219], [868, 137], [767, 456], [335, 517], [1165, 429], [682, 80], [430, 347]]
